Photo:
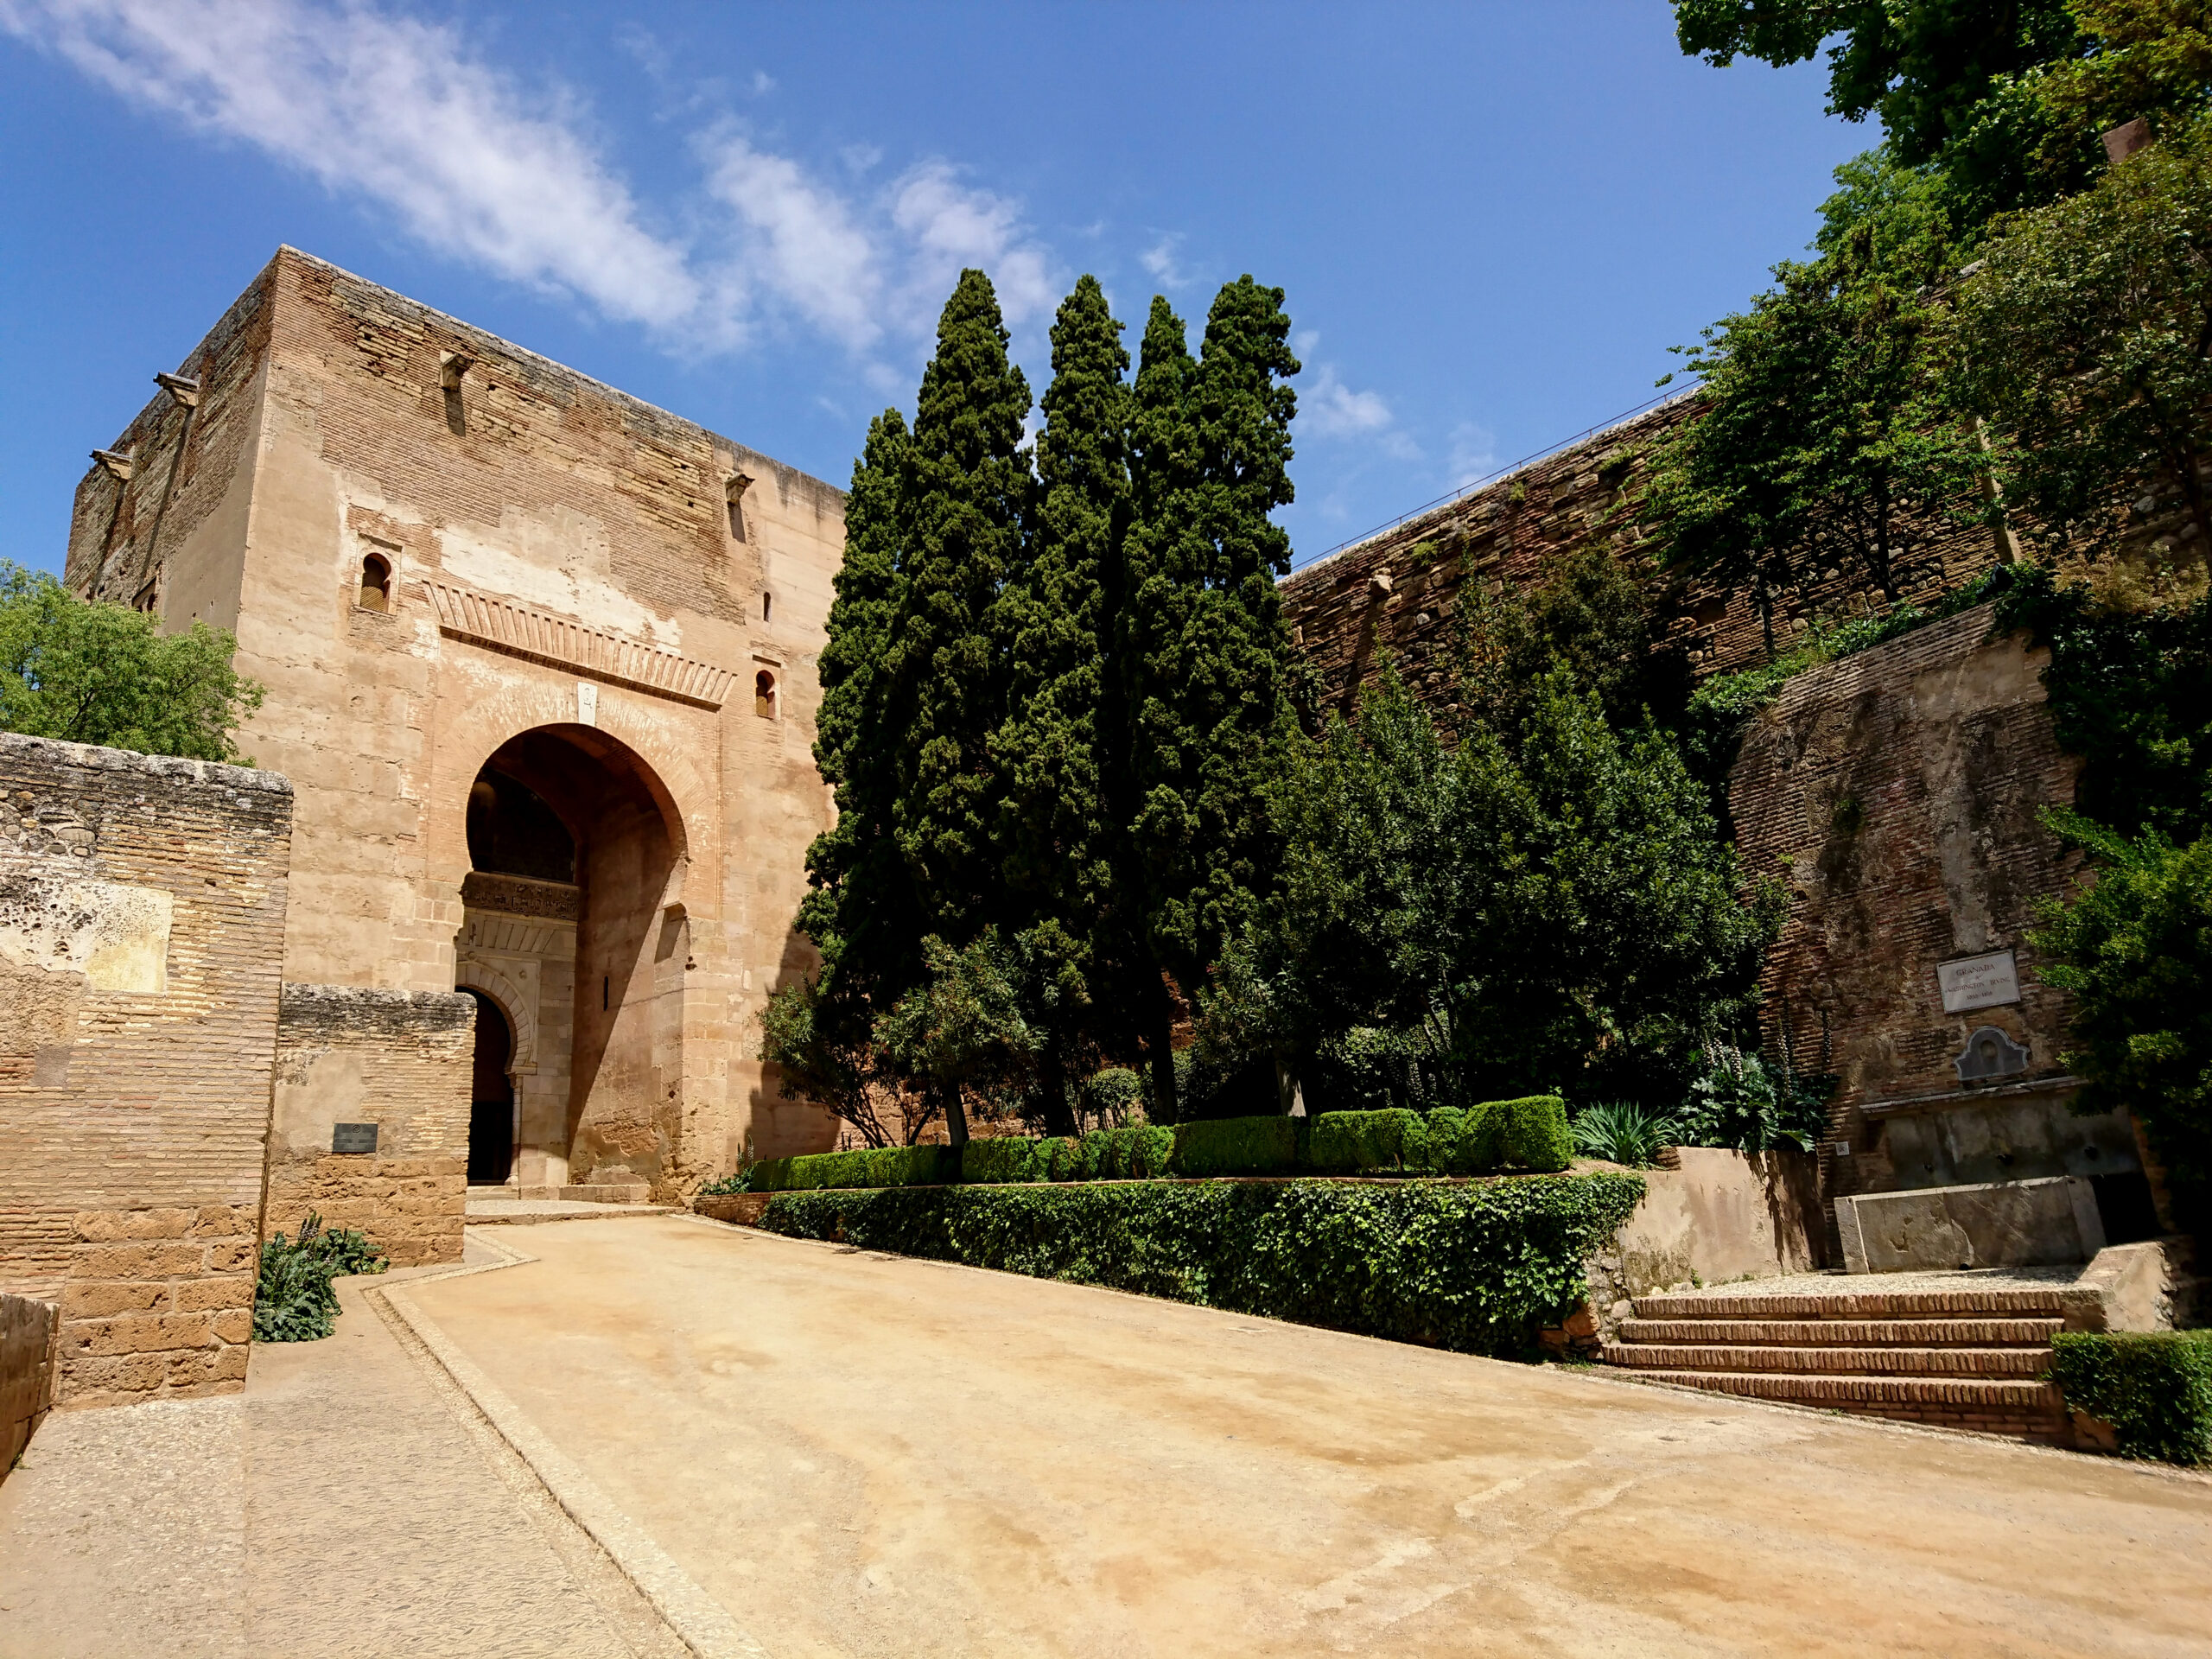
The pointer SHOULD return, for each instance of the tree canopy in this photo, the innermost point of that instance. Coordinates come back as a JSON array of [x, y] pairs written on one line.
[[99, 673]]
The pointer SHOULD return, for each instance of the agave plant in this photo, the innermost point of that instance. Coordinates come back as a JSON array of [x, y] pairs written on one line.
[[1623, 1132]]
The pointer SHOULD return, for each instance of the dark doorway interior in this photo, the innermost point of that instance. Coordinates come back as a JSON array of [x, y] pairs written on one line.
[[492, 1111]]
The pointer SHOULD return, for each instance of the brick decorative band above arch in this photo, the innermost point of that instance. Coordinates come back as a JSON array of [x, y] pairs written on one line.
[[504, 626]]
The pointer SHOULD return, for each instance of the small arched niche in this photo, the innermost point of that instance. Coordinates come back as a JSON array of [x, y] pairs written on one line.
[[764, 695], [375, 592]]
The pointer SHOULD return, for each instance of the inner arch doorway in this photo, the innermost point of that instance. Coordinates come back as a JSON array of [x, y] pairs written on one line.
[[570, 923], [491, 1097]]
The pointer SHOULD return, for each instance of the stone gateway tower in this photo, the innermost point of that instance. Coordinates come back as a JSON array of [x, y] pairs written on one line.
[[540, 663]]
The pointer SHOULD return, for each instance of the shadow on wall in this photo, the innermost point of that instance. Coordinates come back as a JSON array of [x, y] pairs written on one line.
[[1721, 1217], [777, 1128]]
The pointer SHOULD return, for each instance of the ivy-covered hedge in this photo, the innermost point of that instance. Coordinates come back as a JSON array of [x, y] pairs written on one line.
[[1499, 1135], [1480, 1268], [2154, 1388]]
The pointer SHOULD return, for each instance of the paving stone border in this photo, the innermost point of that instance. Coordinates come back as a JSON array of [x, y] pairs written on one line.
[[701, 1623]]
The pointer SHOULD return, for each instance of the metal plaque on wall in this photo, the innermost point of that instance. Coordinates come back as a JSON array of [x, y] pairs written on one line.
[[353, 1137], [1986, 982]]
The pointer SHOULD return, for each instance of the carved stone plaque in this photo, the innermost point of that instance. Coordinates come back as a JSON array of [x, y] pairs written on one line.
[[1988, 982], [353, 1137]]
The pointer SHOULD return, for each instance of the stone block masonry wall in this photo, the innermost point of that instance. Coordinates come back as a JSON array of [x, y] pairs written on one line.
[[142, 921], [1399, 593], [400, 1060]]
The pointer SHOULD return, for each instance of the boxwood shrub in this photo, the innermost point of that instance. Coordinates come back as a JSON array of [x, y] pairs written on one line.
[[871, 1166], [2155, 1389], [1481, 1140], [1478, 1268]]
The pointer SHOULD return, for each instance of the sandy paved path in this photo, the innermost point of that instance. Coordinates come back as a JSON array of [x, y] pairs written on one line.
[[859, 1455], [341, 1506]]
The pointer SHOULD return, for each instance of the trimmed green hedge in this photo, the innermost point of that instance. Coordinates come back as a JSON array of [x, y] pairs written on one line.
[[1479, 1268], [874, 1166], [2155, 1389], [1500, 1134]]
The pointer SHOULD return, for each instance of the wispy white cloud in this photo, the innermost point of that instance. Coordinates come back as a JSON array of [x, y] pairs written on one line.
[[409, 119], [1472, 454], [950, 225], [393, 110], [1159, 262], [1327, 408], [805, 242]]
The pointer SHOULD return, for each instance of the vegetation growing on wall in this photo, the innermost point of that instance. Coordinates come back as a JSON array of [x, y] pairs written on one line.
[[1479, 1268]]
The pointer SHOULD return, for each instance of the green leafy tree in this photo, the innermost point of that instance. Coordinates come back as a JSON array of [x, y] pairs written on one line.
[[2136, 952], [2086, 338], [1202, 649], [965, 1030], [1923, 67], [1552, 907], [1827, 444], [97, 673]]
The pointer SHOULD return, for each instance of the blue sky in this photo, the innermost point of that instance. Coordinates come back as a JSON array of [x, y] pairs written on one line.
[[1491, 219]]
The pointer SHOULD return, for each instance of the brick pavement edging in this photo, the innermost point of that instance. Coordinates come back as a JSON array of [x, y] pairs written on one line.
[[699, 1622]]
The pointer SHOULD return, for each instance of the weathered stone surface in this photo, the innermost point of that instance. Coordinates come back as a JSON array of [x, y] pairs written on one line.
[[27, 1334], [1996, 1225], [566, 590], [154, 891]]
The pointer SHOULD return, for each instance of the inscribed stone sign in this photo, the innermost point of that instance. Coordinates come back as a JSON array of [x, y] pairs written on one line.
[[353, 1137], [1971, 983]]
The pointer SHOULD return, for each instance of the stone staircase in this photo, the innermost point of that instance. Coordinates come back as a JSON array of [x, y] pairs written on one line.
[[1962, 1358]]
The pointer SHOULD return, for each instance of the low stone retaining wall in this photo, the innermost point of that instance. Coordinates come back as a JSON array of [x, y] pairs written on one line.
[[745, 1209], [28, 1332], [1712, 1216], [2043, 1222]]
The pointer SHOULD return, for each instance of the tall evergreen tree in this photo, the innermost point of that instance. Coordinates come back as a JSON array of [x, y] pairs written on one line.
[[1062, 731], [1204, 653], [860, 911], [966, 488]]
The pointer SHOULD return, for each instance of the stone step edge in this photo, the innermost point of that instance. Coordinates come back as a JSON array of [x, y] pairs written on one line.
[[1861, 1304], [1845, 1391], [2021, 1364], [1839, 1333]]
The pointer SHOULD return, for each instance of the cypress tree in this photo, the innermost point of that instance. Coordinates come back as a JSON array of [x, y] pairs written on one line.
[[860, 909], [1204, 656], [966, 489], [1062, 732]]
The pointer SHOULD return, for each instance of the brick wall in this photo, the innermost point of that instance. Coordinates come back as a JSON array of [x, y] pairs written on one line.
[[1399, 592], [142, 919], [1897, 791], [400, 1060]]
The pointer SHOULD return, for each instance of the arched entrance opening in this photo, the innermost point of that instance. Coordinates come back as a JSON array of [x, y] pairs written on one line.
[[491, 1097], [571, 920]]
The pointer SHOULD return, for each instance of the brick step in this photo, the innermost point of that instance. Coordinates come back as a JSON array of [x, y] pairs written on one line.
[[1837, 1333], [2014, 1362], [1927, 1398], [2011, 1301]]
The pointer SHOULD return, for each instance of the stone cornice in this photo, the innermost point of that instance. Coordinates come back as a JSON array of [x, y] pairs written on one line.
[[504, 626]]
